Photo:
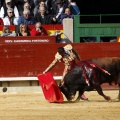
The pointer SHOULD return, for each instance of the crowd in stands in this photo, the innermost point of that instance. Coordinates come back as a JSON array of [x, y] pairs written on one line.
[[35, 12]]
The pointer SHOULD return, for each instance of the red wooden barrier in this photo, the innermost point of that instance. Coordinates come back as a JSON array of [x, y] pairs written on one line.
[[12, 27], [17, 60], [47, 27]]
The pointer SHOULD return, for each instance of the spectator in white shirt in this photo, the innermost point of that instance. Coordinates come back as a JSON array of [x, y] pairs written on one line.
[[10, 19], [8, 4]]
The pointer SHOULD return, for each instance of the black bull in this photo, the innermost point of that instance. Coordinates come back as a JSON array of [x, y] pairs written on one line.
[[75, 79]]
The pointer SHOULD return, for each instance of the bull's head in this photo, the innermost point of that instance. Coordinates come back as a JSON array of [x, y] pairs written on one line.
[[67, 92]]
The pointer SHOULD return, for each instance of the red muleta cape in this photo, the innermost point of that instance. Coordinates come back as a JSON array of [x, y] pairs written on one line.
[[50, 88]]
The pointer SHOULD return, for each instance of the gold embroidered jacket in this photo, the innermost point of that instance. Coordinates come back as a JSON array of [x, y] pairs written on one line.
[[68, 59]]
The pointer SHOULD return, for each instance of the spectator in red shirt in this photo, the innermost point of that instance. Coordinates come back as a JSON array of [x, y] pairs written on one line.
[[38, 30], [1, 21]]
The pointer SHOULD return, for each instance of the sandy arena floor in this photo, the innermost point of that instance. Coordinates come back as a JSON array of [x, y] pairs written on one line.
[[33, 106]]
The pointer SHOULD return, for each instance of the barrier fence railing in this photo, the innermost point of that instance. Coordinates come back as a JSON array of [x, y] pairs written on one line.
[[97, 26]]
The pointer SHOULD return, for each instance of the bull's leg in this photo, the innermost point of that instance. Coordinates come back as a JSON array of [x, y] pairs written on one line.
[[81, 92], [81, 96], [100, 92], [118, 97], [119, 87], [119, 94]]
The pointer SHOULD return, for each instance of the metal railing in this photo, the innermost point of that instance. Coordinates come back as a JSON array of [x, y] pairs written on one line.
[[96, 26]]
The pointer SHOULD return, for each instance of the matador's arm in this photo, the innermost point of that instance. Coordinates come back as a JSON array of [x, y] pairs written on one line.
[[51, 65]]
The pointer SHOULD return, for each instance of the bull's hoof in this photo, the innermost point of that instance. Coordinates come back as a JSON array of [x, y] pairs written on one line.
[[108, 98]]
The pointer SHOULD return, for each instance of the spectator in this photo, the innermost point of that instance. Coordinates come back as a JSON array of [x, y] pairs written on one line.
[[20, 4], [1, 3], [67, 14], [59, 11], [7, 32], [37, 8], [38, 30], [8, 4], [36, 2], [10, 19], [26, 18], [1, 21], [53, 5], [48, 4], [23, 31], [26, 6], [42, 17], [58, 34], [74, 8]]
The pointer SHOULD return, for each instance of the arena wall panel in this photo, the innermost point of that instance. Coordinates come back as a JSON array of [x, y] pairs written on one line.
[[28, 60]]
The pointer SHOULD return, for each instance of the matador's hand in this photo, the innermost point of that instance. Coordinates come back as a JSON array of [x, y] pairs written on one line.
[[44, 72]]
